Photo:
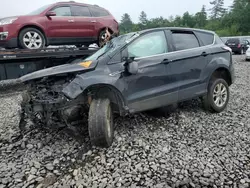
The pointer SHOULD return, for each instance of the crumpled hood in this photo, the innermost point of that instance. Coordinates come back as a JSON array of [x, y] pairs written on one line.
[[61, 69]]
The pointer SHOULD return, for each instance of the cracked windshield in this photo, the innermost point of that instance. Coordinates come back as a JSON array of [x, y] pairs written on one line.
[[128, 94]]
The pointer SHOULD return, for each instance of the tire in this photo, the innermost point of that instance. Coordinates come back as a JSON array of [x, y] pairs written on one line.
[[241, 51], [100, 38], [100, 122], [209, 102], [34, 39]]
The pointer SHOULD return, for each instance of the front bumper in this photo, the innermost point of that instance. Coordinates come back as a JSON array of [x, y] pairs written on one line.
[[53, 112], [11, 43], [8, 36]]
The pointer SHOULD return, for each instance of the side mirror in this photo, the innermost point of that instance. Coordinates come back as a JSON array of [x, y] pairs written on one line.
[[132, 66], [50, 13]]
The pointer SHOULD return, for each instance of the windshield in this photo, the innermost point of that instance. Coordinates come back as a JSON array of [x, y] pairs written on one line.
[[40, 10], [111, 46]]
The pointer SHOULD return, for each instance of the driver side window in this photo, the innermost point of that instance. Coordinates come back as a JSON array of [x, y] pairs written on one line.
[[148, 45], [62, 11]]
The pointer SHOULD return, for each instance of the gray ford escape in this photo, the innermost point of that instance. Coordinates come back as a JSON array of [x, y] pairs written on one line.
[[132, 73]]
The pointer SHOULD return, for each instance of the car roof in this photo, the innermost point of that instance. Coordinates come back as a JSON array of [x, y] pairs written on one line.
[[177, 28]]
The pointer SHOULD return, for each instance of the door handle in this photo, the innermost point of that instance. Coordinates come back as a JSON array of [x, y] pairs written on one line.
[[166, 61], [70, 20], [204, 53], [93, 21]]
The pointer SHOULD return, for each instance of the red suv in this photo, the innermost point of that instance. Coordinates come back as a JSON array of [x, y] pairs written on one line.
[[62, 23]]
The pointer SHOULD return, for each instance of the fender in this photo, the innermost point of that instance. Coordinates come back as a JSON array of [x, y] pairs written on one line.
[[101, 77], [216, 63]]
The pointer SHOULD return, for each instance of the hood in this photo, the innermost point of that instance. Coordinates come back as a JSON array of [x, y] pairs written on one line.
[[9, 20], [10, 17], [61, 69], [19, 16]]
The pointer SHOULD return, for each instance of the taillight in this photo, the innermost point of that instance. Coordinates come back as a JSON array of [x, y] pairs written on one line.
[[239, 45], [227, 48]]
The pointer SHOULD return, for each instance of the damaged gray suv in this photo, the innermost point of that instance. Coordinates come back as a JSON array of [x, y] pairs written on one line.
[[132, 73]]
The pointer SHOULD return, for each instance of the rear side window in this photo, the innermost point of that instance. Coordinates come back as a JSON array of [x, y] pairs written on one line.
[[206, 38], [183, 41], [98, 12], [62, 11], [80, 11]]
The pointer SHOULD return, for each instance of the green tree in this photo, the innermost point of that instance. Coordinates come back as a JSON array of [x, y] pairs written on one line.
[[230, 21], [158, 22], [218, 9], [177, 21], [188, 20], [143, 21], [201, 18], [126, 24], [143, 18], [240, 15]]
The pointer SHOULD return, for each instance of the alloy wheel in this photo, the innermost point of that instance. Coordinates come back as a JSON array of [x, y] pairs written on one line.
[[220, 95], [32, 40], [102, 39]]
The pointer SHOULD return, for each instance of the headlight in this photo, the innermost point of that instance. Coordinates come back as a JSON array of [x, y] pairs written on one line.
[[7, 21]]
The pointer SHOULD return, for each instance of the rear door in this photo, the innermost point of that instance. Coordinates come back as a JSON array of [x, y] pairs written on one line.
[[61, 28], [84, 23], [101, 18], [187, 63]]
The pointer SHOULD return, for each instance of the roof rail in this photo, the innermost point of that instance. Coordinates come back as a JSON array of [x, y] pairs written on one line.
[[65, 2]]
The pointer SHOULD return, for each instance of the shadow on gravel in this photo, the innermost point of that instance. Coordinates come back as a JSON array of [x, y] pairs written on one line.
[[167, 111]]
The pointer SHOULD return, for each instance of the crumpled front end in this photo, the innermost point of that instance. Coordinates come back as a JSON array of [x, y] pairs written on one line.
[[46, 105]]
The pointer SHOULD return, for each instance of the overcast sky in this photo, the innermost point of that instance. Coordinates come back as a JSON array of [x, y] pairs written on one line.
[[154, 8]]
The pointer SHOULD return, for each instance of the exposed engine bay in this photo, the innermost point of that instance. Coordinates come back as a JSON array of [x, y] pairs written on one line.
[[46, 105]]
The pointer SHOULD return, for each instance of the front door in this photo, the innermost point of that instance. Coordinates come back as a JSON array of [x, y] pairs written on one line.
[[150, 87], [187, 63], [61, 28], [84, 23]]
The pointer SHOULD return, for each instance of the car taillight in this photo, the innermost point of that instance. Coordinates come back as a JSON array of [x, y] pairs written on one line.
[[239, 45], [227, 48]]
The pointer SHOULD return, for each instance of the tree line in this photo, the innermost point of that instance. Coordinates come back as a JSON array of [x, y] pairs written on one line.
[[225, 21]]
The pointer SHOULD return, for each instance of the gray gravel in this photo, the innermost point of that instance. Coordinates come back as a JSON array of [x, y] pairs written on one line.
[[188, 148]]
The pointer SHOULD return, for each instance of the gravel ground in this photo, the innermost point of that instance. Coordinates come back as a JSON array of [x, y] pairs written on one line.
[[188, 148]]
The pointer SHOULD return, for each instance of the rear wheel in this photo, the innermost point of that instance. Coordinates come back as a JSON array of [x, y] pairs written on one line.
[[242, 51], [217, 97], [101, 38], [31, 38], [100, 122]]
